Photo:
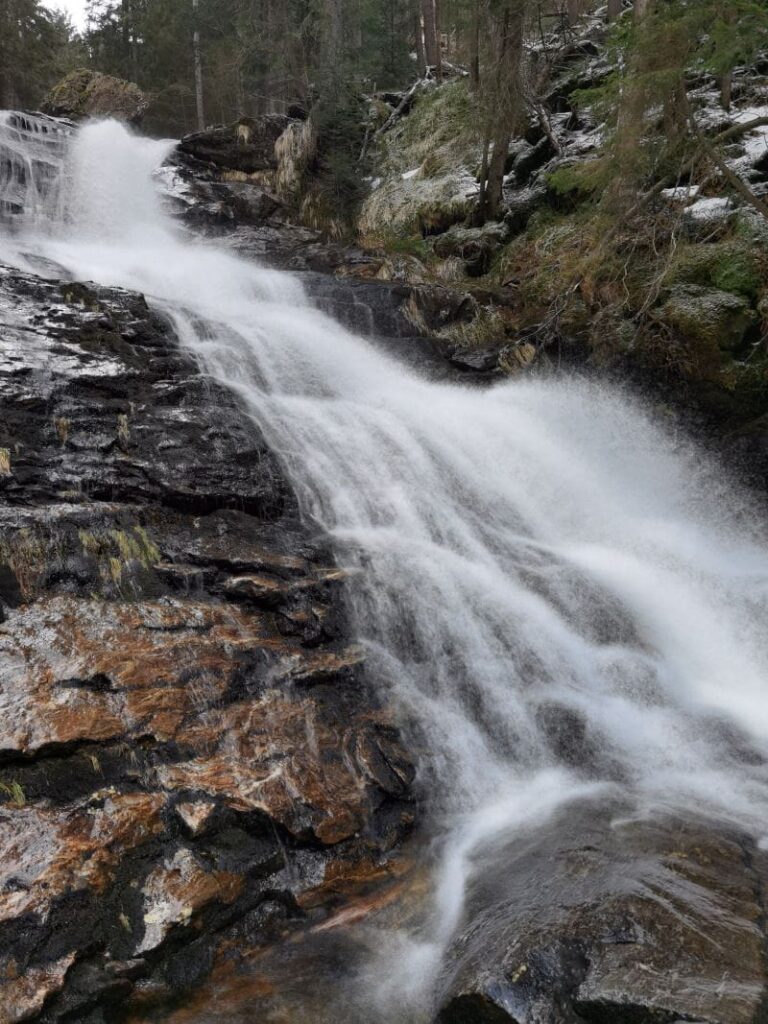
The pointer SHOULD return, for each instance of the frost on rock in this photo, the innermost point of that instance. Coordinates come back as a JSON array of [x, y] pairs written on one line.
[[753, 144], [716, 208], [681, 193], [413, 204]]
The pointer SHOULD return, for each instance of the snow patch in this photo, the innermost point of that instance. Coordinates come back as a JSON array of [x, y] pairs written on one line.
[[712, 209], [681, 193]]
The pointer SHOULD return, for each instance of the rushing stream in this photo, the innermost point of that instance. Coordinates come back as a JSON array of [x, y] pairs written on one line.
[[540, 560]]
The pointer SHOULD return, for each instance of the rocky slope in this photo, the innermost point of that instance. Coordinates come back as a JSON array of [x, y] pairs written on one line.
[[190, 747], [673, 299]]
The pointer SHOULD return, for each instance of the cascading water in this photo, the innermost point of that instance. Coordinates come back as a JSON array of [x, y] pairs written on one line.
[[534, 554], [32, 149]]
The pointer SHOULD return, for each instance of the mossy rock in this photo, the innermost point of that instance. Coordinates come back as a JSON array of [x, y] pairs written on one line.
[[426, 167], [85, 93], [426, 206], [729, 266], [716, 320], [475, 246]]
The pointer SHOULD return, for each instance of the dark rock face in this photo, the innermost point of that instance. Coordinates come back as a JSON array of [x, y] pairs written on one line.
[[172, 637], [635, 923], [85, 93], [248, 145]]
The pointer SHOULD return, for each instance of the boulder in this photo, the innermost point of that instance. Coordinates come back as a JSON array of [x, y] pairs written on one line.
[[649, 923], [85, 93], [476, 247], [247, 145], [715, 319], [431, 308], [415, 203]]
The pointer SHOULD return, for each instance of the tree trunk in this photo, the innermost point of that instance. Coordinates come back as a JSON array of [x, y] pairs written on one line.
[[438, 40], [198, 67], [726, 89], [642, 9], [335, 38], [421, 54], [574, 11], [431, 45], [726, 81], [503, 101], [474, 62]]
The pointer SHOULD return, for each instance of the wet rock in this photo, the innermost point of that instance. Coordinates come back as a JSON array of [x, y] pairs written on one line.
[[84, 93], [633, 921], [190, 734], [175, 893], [25, 996], [212, 201], [476, 361], [433, 307], [197, 815], [475, 1009]]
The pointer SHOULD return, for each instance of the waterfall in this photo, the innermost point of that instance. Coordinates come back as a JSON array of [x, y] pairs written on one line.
[[32, 149], [564, 601]]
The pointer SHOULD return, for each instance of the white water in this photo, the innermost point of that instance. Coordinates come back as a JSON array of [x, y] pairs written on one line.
[[536, 546]]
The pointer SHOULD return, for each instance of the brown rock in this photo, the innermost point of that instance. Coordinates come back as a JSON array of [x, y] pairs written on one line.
[[248, 145], [177, 891], [282, 757], [22, 998], [48, 853]]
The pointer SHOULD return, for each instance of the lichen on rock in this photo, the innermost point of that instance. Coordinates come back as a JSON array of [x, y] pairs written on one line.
[[84, 93]]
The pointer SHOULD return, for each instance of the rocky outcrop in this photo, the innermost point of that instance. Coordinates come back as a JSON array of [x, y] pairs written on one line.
[[716, 319], [85, 93], [190, 746], [641, 922], [247, 146]]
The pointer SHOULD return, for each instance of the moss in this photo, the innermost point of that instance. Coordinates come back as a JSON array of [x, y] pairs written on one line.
[[135, 546], [407, 245], [584, 177], [123, 429], [63, 427], [733, 265], [118, 551]]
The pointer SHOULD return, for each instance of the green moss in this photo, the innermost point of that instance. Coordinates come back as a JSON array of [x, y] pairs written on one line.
[[713, 323], [583, 177], [135, 546], [729, 266], [408, 245]]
